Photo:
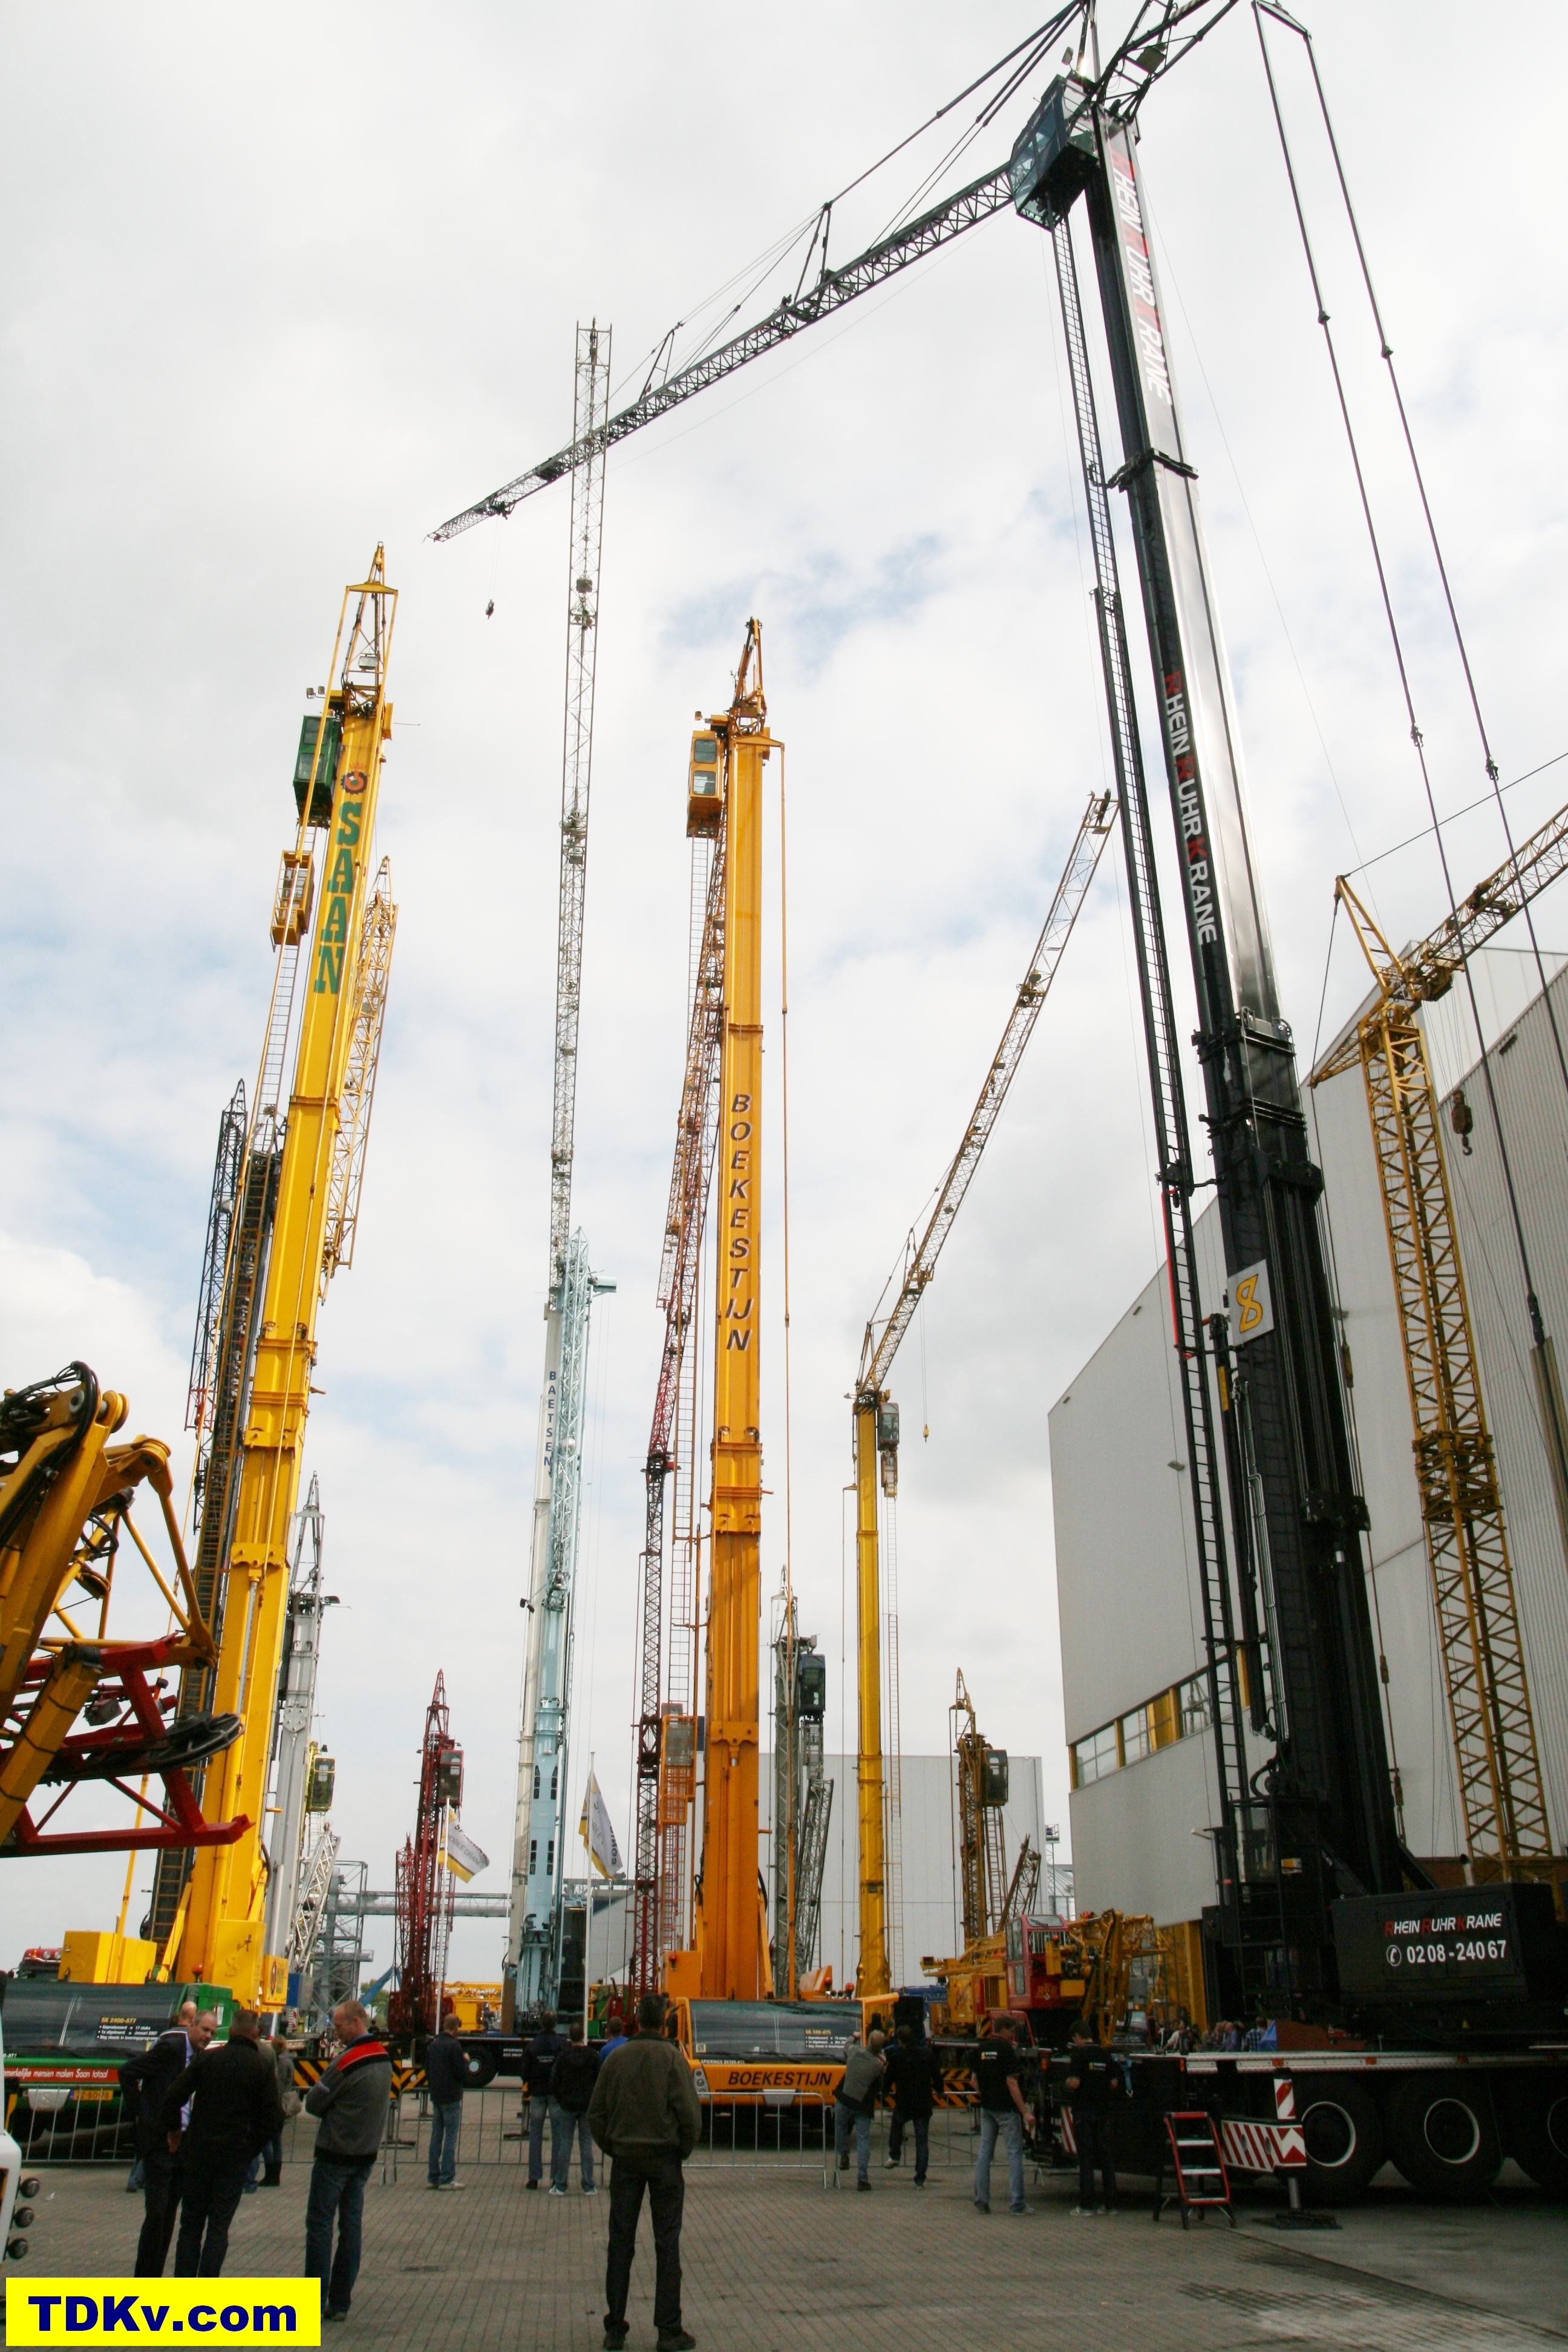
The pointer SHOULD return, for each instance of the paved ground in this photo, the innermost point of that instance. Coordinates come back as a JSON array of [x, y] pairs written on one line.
[[774, 2262]]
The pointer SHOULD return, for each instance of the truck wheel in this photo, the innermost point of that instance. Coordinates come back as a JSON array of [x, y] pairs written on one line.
[[1343, 2132], [1443, 2135], [1537, 2115], [481, 2065]]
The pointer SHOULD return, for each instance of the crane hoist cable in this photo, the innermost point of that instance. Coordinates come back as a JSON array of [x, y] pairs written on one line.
[[1555, 1419], [875, 1417]]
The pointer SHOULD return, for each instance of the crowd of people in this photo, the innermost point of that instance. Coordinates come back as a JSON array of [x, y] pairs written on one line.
[[208, 2125]]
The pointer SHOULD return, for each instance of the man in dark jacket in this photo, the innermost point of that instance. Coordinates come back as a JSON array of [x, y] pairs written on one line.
[[572, 2079], [1093, 2084], [351, 2100], [218, 2113], [145, 2081], [911, 2083], [446, 2074], [538, 2064], [646, 2117]]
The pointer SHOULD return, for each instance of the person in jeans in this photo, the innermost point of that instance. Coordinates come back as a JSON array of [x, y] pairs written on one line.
[[572, 2080], [144, 2081], [217, 2115], [911, 2080], [646, 2117], [1001, 2112], [1093, 2084], [350, 2100], [538, 2064], [855, 2103], [446, 2073]]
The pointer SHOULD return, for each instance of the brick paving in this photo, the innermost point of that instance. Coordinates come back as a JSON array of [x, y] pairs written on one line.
[[774, 2262]]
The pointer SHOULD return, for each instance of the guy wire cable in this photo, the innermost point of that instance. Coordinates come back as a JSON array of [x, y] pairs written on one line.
[[1386, 353], [1557, 1436]]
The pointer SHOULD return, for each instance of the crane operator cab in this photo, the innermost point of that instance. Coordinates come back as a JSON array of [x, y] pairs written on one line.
[[703, 798]]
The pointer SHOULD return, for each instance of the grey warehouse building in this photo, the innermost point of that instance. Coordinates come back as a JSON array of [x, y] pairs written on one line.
[[1140, 1751]]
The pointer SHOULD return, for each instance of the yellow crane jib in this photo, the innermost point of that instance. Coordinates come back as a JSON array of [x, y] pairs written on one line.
[[876, 1429], [333, 1000], [1495, 1751]]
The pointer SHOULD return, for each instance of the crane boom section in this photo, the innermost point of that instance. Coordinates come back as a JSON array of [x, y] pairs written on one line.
[[696, 1142], [729, 1926], [221, 1939], [936, 227], [1419, 974], [1083, 858], [1162, 34]]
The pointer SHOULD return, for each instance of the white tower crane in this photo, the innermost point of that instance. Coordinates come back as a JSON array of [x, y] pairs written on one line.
[[534, 1920]]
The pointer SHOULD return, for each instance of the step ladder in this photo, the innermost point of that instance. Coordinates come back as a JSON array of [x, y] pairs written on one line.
[[1202, 2180]]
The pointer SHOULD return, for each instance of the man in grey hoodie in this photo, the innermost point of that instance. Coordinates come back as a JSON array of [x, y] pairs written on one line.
[[351, 2100]]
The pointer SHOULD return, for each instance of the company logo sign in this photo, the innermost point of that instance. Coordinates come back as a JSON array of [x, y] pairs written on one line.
[[332, 939]]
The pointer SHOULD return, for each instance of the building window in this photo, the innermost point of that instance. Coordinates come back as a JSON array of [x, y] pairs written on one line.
[[1137, 1738], [532, 1856], [536, 1779], [1094, 1757], [550, 1872]]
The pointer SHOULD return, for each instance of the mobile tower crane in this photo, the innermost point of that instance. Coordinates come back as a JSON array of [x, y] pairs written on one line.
[[728, 1960], [292, 1190], [1312, 1874]]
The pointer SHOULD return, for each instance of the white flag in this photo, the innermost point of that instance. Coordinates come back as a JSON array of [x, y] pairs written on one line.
[[463, 1858], [597, 1832]]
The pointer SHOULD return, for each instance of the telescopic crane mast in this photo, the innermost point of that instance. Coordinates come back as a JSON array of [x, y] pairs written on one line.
[[729, 1962], [535, 1920], [292, 1225]]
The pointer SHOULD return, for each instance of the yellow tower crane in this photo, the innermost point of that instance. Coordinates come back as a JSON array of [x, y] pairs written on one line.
[[209, 1908], [877, 1417], [1493, 1726]]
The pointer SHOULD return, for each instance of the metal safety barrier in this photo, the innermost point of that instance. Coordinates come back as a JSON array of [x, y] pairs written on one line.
[[763, 2132]]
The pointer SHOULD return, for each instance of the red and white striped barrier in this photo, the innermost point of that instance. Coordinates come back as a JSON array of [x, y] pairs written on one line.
[[1246, 2147]]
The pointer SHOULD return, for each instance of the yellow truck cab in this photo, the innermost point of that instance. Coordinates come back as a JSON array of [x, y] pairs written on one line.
[[744, 2049]]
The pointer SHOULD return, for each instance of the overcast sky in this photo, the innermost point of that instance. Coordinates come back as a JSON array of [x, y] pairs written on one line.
[[279, 285]]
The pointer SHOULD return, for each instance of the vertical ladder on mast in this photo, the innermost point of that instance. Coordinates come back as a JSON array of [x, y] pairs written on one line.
[[531, 1966]]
